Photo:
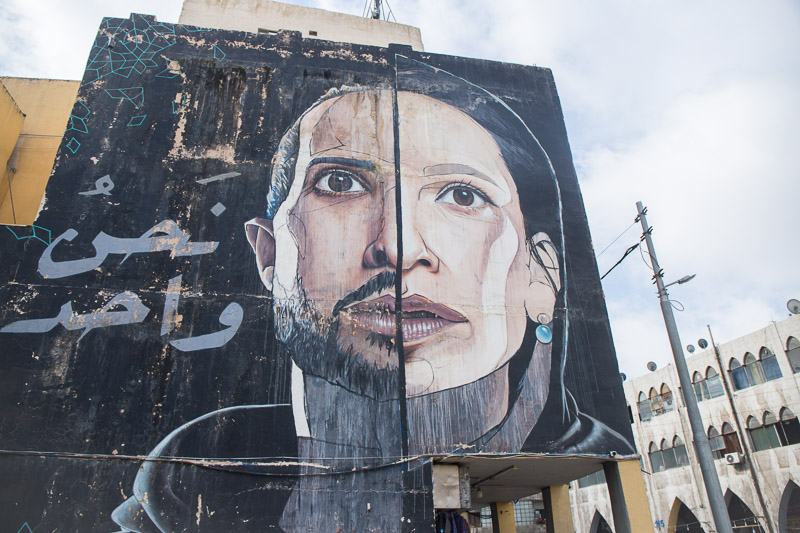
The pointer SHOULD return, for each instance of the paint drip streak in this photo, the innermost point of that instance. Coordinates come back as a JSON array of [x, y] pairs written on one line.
[[401, 359]]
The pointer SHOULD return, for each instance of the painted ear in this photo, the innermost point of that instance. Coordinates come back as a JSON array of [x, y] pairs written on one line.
[[262, 239], [545, 280]]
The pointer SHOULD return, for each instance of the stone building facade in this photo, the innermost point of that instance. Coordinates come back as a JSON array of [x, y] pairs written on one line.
[[749, 396]]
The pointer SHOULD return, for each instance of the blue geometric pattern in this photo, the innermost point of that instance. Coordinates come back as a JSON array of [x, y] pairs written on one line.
[[73, 145], [134, 95], [78, 122], [25, 527], [137, 120], [129, 49], [219, 54], [41, 235]]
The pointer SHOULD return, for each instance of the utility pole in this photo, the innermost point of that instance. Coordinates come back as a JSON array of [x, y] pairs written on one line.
[[699, 437]]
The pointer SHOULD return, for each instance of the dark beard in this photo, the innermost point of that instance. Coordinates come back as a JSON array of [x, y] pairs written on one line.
[[313, 343]]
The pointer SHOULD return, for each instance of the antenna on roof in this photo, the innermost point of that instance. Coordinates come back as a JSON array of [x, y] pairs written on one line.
[[375, 9]]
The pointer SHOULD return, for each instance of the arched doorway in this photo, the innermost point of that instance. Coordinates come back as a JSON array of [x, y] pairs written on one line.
[[743, 519], [599, 524], [683, 520], [789, 513]]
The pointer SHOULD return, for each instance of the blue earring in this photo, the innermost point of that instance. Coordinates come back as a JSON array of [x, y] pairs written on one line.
[[543, 332]]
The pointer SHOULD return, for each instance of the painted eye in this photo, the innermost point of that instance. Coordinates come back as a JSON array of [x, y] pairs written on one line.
[[463, 197], [339, 181]]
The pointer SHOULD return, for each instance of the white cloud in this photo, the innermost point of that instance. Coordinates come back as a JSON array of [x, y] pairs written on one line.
[[52, 39]]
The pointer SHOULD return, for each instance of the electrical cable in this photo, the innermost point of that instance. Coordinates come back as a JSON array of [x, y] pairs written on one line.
[[211, 464], [627, 252], [618, 237]]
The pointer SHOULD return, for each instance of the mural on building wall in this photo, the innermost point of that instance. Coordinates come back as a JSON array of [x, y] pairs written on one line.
[[283, 275]]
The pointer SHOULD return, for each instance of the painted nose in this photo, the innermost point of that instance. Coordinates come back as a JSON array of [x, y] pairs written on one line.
[[386, 249]]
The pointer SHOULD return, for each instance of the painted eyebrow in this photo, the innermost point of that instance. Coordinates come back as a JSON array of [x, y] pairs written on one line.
[[455, 168], [344, 161]]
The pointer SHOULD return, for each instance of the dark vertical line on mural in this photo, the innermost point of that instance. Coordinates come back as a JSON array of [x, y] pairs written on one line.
[[398, 283]]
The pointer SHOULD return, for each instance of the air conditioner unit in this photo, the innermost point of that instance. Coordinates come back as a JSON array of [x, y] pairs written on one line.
[[734, 458]]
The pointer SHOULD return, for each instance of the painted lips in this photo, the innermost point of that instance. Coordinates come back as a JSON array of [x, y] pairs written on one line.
[[421, 317]]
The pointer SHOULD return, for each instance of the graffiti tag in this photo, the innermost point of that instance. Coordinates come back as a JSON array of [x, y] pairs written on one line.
[[165, 235]]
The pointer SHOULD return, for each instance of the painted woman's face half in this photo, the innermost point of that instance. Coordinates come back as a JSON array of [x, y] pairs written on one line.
[[447, 218]]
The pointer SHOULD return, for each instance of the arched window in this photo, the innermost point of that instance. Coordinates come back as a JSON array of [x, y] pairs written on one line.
[[769, 364], [731, 439], [656, 404], [668, 453], [680, 451], [700, 387], [716, 442], [656, 461], [754, 370], [771, 429], [788, 428], [715, 388], [643, 406], [764, 436], [666, 398], [708, 387], [738, 375], [793, 353]]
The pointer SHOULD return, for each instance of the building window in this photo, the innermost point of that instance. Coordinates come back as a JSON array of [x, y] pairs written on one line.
[[764, 436], [769, 364], [595, 478], [715, 388], [486, 517], [657, 403], [707, 387], [671, 454], [656, 461], [643, 405], [680, 451], [754, 371], [523, 513], [738, 375], [716, 443], [788, 428], [793, 353], [700, 387], [725, 443], [667, 400], [312, 33], [731, 438], [668, 454]]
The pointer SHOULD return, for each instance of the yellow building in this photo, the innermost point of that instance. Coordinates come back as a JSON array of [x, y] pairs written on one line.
[[34, 116]]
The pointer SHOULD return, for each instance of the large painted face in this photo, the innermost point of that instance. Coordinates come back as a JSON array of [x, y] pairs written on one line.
[[468, 277]]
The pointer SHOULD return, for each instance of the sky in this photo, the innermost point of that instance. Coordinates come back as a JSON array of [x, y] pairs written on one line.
[[692, 107]]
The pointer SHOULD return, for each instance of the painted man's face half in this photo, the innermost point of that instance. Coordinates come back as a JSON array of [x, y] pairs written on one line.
[[467, 273]]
